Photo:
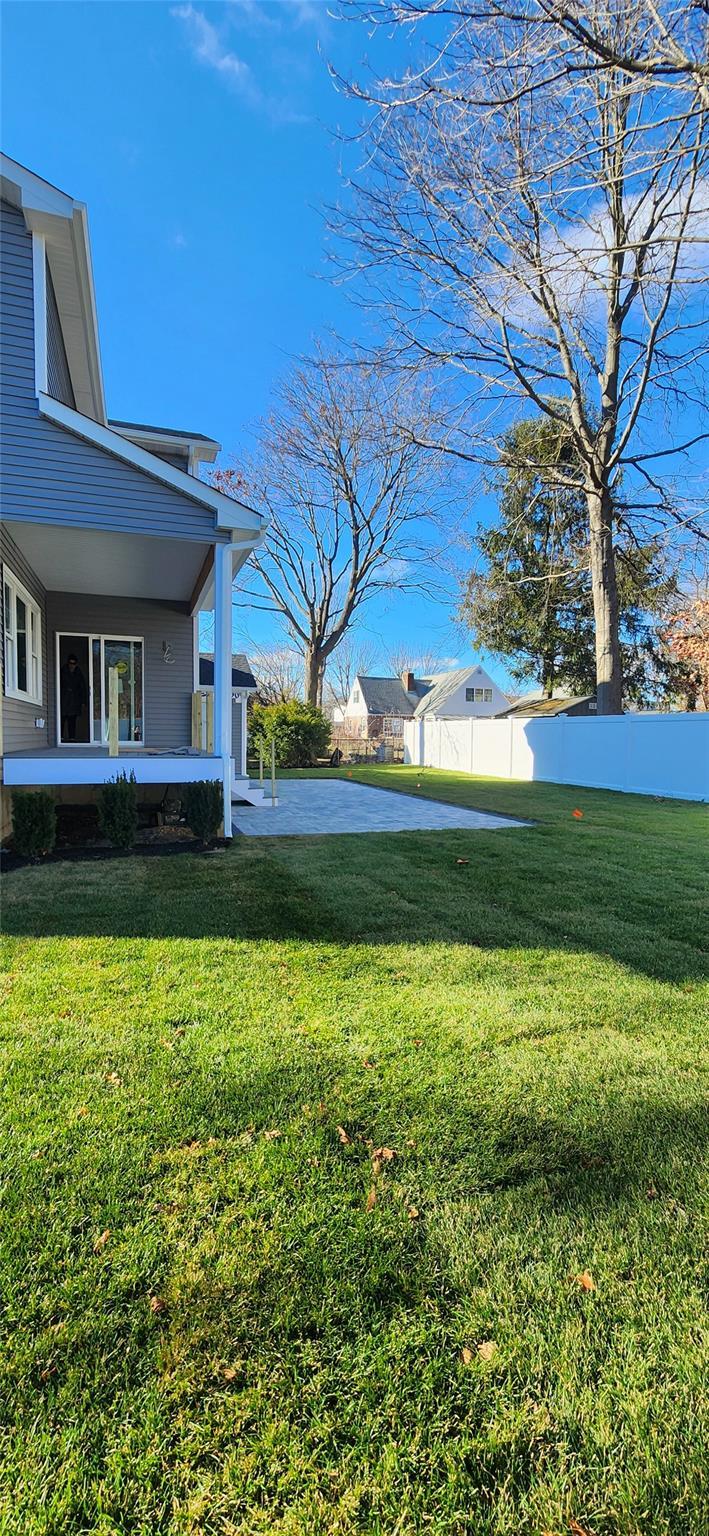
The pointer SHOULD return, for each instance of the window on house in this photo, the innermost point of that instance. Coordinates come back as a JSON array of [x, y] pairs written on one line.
[[488, 695], [479, 695], [23, 641], [469, 695], [355, 695]]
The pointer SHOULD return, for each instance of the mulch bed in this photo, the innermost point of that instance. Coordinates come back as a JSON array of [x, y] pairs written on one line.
[[92, 855]]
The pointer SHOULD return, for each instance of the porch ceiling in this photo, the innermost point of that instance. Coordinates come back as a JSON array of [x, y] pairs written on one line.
[[70, 559]]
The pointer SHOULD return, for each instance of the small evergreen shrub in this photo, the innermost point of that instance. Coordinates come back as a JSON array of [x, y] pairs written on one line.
[[34, 822], [300, 731], [118, 810], [203, 805]]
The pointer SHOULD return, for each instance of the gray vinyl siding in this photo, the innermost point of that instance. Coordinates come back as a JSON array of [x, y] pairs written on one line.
[[19, 732], [58, 376], [167, 687], [50, 475]]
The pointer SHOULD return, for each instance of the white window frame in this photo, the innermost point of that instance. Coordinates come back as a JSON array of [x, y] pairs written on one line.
[[470, 695], [487, 695], [34, 659]]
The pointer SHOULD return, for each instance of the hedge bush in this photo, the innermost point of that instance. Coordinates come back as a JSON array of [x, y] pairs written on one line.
[[300, 731], [203, 806], [118, 810], [34, 822]]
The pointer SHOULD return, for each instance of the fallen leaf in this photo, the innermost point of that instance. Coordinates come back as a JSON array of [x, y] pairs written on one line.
[[114, 1078], [49, 1370], [168, 1045], [82, 1110], [412, 1213], [417, 1043], [410, 1141], [487, 1350], [578, 815], [376, 1167], [157, 1304], [38, 1153], [462, 861], [585, 1281], [368, 1064], [652, 1192], [371, 1199], [384, 1154], [102, 1240], [344, 1138], [466, 1355], [578, 1530], [229, 1372], [271, 1135]]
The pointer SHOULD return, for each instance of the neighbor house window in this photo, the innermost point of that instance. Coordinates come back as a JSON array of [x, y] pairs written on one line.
[[469, 695], [479, 695], [355, 695], [487, 695], [23, 641]]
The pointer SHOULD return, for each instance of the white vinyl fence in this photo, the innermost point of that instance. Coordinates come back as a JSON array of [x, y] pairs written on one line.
[[641, 754]]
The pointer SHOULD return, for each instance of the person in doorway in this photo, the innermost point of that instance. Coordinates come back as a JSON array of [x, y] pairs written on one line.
[[73, 694]]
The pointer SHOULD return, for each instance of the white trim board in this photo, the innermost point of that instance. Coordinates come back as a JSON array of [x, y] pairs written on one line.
[[97, 768]]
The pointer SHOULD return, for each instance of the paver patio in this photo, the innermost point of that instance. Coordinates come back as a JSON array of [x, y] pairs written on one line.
[[307, 806]]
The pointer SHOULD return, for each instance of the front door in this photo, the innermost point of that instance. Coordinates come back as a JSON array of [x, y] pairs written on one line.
[[84, 663]]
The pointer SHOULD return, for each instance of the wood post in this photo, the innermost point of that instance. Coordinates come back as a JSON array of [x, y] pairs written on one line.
[[210, 723]]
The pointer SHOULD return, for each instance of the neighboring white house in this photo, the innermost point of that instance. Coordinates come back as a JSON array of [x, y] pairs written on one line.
[[378, 706]]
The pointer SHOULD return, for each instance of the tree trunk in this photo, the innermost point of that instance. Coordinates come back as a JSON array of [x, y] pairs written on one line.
[[314, 673], [609, 669]]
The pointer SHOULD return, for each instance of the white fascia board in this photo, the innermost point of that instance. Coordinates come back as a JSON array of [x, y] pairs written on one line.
[[26, 190], [230, 516], [86, 769]]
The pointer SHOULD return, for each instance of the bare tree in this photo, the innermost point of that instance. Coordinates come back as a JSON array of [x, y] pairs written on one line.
[[351, 499], [352, 658], [279, 673], [421, 663], [544, 213]]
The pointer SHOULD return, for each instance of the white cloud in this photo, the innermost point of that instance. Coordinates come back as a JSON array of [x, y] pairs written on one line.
[[208, 48]]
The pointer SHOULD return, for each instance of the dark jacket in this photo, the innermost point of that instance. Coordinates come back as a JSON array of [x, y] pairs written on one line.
[[72, 690]]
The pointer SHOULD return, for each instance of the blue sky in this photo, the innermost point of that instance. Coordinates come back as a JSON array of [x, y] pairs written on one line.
[[201, 139]]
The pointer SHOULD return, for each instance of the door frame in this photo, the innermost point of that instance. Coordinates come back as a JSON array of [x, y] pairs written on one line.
[[90, 636]]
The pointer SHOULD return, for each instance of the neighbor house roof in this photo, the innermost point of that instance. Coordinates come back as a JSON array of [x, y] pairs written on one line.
[[535, 707], [241, 673], [386, 696], [440, 688]]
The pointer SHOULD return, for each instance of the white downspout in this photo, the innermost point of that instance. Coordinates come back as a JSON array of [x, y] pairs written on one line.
[[222, 670]]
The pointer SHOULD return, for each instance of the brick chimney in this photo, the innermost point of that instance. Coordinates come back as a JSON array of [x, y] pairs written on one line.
[[407, 679]]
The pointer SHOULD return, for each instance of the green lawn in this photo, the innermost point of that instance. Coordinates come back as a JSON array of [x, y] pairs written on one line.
[[182, 1039]]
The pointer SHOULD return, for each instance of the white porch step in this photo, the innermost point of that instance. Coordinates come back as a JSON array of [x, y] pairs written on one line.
[[242, 789]]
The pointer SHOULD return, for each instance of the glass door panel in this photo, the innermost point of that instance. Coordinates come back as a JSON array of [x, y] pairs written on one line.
[[74, 684], [125, 657]]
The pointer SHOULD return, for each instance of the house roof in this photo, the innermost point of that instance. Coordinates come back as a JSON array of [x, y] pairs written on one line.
[[386, 696], [440, 688], [241, 673], [545, 708], [194, 445]]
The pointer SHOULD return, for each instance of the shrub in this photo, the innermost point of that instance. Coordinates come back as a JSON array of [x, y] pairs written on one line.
[[300, 731], [34, 822], [118, 810], [203, 805]]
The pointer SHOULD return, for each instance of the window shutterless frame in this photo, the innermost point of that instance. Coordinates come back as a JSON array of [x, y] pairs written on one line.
[[22, 621], [97, 692]]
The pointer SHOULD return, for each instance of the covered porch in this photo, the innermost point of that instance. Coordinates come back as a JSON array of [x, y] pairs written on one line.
[[113, 680]]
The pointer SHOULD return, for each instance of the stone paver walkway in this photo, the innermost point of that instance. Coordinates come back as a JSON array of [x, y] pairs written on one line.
[[307, 806]]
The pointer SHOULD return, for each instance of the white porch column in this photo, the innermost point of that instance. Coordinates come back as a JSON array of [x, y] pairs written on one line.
[[222, 669]]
